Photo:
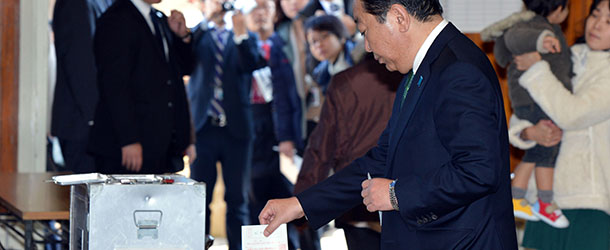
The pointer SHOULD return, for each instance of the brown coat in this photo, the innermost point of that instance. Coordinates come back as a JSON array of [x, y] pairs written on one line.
[[356, 111]]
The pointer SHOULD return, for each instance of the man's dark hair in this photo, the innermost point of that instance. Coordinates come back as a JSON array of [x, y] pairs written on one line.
[[544, 7], [328, 23], [420, 9]]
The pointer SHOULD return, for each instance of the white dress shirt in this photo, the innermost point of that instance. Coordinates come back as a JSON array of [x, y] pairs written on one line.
[[423, 50]]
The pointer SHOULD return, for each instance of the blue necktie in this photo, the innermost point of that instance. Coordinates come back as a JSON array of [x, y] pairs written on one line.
[[159, 34], [216, 109]]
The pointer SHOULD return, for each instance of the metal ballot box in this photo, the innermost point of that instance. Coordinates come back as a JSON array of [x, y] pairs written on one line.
[[135, 212]]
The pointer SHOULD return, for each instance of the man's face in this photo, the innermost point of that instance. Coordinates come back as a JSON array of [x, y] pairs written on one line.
[[261, 17], [380, 38]]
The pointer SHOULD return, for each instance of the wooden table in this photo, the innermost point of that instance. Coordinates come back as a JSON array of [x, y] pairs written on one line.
[[29, 198]]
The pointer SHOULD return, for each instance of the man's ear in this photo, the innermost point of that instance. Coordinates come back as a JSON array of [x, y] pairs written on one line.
[[400, 16]]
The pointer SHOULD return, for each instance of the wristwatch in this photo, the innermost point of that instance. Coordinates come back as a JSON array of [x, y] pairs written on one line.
[[393, 199]]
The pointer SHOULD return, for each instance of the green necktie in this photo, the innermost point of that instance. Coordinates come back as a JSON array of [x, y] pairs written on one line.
[[409, 80]]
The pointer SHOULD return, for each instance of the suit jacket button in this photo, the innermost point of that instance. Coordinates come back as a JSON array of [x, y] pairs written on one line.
[[169, 82], [169, 104], [90, 123]]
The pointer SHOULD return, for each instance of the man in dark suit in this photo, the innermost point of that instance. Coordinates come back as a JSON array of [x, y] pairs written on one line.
[[76, 93], [219, 94], [441, 166], [142, 121]]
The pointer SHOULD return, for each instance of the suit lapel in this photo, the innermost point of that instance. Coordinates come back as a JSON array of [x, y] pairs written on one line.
[[420, 81], [142, 23]]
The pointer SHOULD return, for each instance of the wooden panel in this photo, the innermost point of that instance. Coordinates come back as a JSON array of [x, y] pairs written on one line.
[[574, 26], [9, 83], [28, 196]]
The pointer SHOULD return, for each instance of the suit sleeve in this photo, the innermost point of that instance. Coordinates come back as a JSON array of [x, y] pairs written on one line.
[[74, 47], [467, 117], [286, 100], [249, 57], [114, 59], [521, 40], [322, 152]]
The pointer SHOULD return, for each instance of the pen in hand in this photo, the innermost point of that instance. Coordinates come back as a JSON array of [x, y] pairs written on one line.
[[380, 216]]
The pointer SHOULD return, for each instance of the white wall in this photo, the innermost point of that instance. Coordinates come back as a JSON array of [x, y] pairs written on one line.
[[33, 85]]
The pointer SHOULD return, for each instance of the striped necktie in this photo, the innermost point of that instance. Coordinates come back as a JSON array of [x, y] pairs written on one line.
[[409, 81], [216, 109]]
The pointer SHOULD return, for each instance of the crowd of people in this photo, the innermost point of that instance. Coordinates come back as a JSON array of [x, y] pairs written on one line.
[[297, 77]]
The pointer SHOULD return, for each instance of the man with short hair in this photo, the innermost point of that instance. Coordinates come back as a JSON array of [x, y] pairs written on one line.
[[440, 168], [219, 93]]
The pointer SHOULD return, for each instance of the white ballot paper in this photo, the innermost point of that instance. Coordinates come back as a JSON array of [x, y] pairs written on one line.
[[252, 238]]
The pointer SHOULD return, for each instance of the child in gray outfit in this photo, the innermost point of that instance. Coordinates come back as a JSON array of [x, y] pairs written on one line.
[[534, 30]]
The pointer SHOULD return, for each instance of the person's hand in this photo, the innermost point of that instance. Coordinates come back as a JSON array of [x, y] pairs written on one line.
[[286, 148], [191, 152], [278, 212], [177, 24], [545, 133], [132, 157], [319, 13], [525, 61], [376, 194], [239, 23], [551, 44]]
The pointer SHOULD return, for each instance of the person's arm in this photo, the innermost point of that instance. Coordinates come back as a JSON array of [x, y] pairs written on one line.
[[183, 38], [286, 101], [467, 117], [74, 50], [322, 152], [515, 130], [589, 106], [249, 58], [114, 50], [521, 40], [501, 53], [525, 135]]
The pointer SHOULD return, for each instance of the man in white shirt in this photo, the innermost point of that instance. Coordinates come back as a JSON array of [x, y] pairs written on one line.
[[440, 169]]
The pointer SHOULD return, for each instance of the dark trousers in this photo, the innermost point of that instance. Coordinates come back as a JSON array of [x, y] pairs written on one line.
[[75, 155], [235, 154], [267, 180], [362, 238]]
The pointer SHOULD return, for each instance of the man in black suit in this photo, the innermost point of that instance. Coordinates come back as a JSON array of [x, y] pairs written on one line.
[[219, 94], [142, 121], [441, 170], [76, 93]]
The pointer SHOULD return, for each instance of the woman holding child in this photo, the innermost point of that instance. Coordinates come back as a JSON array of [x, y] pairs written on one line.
[[582, 171]]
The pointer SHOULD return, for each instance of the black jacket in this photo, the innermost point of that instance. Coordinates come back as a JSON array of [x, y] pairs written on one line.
[[142, 96]]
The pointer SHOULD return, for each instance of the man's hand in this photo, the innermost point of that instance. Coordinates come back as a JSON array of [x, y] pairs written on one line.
[[525, 61], [551, 44], [278, 212], [132, 157], [545, 133], [287, 148], [239, 24], [376, 194], [191, 152], [177, 24]]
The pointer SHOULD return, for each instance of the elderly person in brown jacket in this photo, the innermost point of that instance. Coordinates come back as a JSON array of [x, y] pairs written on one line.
[[357, 108]]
